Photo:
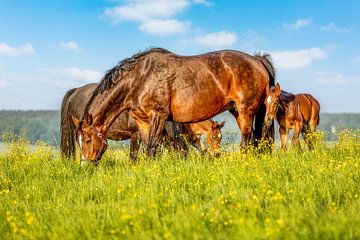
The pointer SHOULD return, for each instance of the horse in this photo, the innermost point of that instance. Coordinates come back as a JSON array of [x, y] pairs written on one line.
[[299, 112], [124, 127], [157, 85], [212, 132]]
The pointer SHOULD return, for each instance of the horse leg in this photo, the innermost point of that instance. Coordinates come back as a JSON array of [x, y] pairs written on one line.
[[306, 133], [143, 130], [295, 140], [284, 132], [157, 124], [134, 146], [244, 122]]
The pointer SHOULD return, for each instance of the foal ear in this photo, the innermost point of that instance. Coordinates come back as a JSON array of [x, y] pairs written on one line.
[[277, 89], [221, 124], [76, 121], [214, 125]]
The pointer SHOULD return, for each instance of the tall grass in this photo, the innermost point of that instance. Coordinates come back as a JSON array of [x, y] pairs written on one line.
[[297, 194]]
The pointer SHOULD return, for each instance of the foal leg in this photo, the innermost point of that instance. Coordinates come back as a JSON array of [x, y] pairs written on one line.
[[295, 140], [306, 133], [284, 133]]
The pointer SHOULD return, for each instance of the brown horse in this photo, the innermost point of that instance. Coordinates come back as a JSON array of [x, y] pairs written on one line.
[[299, 112], [157, 85], [124, 127], [212, 132]]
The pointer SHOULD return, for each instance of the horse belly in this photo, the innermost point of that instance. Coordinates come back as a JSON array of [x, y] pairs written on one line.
[[195, 106]]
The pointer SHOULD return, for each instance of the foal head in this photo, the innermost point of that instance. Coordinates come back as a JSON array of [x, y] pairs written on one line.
[[213, 137], [92, 141], [272, 103]]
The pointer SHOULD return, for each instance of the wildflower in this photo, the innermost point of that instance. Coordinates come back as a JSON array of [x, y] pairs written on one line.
[[280, 222], [28, 218]]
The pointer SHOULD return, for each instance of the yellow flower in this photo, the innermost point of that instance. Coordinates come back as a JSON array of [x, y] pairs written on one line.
[[28, 218]]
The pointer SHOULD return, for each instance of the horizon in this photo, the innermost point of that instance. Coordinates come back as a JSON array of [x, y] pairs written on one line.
[[51, 47]]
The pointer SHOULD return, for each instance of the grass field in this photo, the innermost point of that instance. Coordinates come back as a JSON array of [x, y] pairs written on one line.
[[308, 195]]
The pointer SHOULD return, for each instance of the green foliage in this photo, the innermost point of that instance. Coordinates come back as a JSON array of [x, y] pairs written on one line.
[[283, 195], [37, 125]]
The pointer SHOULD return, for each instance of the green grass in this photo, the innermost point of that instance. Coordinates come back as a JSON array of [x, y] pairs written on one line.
[[309, 194]]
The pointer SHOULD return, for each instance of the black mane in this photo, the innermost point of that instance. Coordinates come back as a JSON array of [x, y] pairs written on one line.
[[266, 60], [286, 96], [114, 74]]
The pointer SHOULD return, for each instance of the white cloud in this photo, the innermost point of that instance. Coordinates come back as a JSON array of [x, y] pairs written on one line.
[[155, 17], [140, 10], [215, 39], [290, 60], [84, 75], [250, 38], [72, 46], [26, 49], [3, 83], [300, 23], [331, 27], [165, 27], [356, 60], [330, 78]]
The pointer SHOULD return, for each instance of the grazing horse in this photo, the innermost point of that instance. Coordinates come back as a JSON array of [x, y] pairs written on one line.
[[211, 130], [157, 85], [124, 127], [299, 112]]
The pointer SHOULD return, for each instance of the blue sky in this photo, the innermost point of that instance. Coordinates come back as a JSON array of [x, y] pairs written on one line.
[[48, 47]]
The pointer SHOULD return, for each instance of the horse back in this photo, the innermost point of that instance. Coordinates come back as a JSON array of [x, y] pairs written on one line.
[[308, 105], [210, 81]]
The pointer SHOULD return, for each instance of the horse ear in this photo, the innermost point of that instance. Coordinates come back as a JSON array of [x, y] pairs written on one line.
[[75, 120], [214, 125], [277, 89], [221, 124]]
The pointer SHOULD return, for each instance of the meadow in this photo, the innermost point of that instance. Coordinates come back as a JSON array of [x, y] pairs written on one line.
[[283, 195]]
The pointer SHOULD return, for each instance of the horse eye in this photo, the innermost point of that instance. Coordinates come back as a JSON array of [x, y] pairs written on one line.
[[88, 140], [99, 135]]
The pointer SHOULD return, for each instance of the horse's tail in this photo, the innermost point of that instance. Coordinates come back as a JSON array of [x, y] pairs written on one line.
[[67, 128], [265, 59]]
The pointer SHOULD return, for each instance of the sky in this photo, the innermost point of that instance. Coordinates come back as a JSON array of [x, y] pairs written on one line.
[[49, 47]]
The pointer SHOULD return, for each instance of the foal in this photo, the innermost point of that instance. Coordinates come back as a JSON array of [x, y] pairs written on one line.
[[299, 112], [212, 132]]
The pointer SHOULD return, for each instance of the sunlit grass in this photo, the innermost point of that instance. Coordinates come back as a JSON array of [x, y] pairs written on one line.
[[294, 194]]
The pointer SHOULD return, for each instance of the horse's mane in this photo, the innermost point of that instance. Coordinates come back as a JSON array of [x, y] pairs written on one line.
[[286, 96], [265, 58], [114, 74]]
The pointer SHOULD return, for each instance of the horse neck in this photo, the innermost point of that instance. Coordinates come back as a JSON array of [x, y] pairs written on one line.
[[106, 106]]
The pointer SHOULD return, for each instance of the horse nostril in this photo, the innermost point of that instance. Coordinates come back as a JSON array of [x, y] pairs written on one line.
[[217, 154]]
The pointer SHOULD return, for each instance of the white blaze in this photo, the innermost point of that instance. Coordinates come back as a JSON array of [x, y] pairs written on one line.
[[80, 143], [80, 140], [268, 100]]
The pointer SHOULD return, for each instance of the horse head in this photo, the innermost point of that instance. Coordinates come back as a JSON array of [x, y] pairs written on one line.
[[92, 140], [272, 103], [213, 138]]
